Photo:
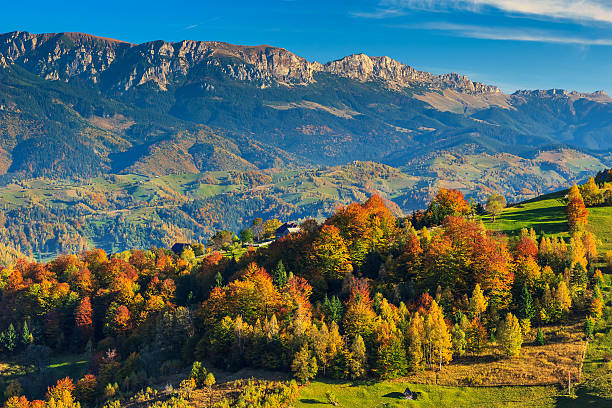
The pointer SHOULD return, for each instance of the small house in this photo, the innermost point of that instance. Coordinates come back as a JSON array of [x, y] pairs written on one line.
[[286, 229]]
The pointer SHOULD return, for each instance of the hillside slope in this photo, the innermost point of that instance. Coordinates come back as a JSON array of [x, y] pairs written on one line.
[[77, 109]]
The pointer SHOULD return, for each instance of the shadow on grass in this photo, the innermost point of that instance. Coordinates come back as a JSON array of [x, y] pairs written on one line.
[[394, 395], [583, 401], [311, 401]]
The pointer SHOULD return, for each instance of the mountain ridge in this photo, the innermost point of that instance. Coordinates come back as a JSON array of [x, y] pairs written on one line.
[[280, 63], [181, 139]]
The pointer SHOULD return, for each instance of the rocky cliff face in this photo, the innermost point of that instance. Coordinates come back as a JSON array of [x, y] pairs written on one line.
[[66, 56], [122, 65], [61, 56], [397, 75]]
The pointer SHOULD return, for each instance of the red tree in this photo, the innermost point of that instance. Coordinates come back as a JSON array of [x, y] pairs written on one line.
[[83, 318]]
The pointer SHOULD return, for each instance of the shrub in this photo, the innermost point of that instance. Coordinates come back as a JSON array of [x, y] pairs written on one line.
[[540, 337]]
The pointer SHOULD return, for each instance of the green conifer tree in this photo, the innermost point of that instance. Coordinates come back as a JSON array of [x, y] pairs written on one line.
[[26, 336], [10, 338], [526, 309], [280, 275]]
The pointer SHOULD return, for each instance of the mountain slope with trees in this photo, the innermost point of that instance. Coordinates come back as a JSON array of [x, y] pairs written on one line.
[[435, 297], [127, 120]]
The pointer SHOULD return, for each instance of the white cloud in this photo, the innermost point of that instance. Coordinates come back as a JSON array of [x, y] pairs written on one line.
[[580, 10], [380, 13], [511, 34]]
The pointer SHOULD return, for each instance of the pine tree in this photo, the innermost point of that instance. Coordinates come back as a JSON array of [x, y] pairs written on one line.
[[332, 309], [218, 280], [280, 275], [26, 336], [10, 338], [511, 337], [578, 278], [526, 310], [540, 337], [198, 373]]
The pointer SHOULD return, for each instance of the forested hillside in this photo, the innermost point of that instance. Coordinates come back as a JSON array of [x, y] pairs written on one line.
[[437, 297], [165, 137]]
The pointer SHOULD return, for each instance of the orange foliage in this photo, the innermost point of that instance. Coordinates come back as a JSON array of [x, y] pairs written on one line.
[[83, 318], [526, 247], [253, 297], [577, 213]]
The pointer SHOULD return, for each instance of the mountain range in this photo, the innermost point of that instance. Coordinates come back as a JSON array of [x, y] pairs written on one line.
[[75, 107]]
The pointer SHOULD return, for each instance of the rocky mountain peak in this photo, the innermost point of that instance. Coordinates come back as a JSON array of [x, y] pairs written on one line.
[[121, 65], [363, 68]]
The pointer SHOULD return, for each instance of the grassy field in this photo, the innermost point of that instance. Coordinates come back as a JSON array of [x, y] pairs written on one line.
[[546, 215], [600, 220], [388, 394]]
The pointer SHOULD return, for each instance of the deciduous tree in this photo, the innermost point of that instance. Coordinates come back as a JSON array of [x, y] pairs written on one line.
[[495, 205], [510, 336]]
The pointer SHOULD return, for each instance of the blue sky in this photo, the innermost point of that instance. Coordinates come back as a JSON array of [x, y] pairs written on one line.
[[515, 44]]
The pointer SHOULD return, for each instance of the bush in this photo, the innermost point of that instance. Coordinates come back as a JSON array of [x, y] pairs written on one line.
[[198, 373], [540, 337]]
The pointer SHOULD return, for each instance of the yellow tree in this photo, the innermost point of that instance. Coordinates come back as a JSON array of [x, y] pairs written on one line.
[[511, 337], [329, 254], [590, 246], [573, 193], [439, 335], [269, 228], [357, 359], [415, 345], [562, 297], [495, 205], [577, 252], [590, 193], [478, 302], [320, 339]]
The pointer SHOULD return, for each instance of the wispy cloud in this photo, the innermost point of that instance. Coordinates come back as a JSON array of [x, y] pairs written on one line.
[[509, 34], [578, 10], [380, 13], [191, 27]]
